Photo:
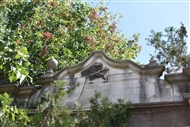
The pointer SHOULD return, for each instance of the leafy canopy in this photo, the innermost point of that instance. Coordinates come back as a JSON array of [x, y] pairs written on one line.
[[170, 46], [68, 30]]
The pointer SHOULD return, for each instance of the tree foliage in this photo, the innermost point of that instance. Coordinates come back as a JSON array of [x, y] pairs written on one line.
[[11, 116], [104, 113], [53, 113], [68, 30], [170, 46]]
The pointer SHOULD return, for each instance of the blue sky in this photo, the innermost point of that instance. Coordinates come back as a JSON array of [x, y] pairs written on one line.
[[141, 16]]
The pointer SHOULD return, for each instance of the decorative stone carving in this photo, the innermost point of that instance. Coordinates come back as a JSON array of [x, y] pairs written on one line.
[[152, 62], [92, 69], [95, 71], [52, 64]]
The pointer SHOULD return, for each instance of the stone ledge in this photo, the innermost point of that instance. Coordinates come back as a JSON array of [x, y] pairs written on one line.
[[176, 78], [26, 91], [182, 75], [15, 90], [160, 107], [153, 70], [148, 107], [8, 88], [159, 104]]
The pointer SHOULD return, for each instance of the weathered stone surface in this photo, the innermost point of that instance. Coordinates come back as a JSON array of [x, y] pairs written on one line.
[[172, 70], [157, 102], [15, 91], [161, 117], [124, 79], [139, 84]]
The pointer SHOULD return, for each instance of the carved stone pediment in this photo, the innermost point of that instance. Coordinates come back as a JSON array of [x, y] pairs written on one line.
[[100, 57], [113, 78]]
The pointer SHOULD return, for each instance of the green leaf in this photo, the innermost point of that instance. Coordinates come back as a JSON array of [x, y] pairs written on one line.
[[24, 71], [22, 77], [18, 56], [24, 50], [12, 76], [6, 95], [18, 74], [1, 66], [2, 45], [16, 110], [12, 117], [22, 53]]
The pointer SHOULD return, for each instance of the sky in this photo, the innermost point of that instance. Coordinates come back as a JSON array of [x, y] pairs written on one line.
[[141, 16]]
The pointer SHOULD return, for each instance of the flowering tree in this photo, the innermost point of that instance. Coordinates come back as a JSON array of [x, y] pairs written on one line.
[[33, 32]]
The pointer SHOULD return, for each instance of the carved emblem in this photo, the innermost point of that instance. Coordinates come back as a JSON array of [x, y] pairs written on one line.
[[95, 71]]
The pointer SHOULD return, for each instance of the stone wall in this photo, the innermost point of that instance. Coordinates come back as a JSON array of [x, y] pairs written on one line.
[[157, 102], [162, 116]]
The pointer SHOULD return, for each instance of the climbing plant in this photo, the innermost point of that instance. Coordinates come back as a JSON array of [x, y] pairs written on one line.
[[31, 32]]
